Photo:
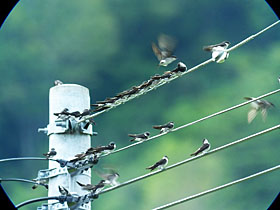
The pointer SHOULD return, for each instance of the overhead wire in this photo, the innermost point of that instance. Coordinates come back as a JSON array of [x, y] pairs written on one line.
[[190, 159], [194, 122], [216, 188], [183, 73]]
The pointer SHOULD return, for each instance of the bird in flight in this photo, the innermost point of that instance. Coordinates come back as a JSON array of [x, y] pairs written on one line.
[[164, 50], [260, 105]]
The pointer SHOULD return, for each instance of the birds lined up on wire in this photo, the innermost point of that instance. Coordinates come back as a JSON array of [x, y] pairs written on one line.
[[136, 90], [65, 114]]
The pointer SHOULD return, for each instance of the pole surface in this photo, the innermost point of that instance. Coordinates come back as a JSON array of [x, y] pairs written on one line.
[[67, 145]]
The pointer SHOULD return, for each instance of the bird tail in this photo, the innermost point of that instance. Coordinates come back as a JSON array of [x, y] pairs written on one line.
[[194, 154], [248, 98], [207, 48], [151, 168], [157, 127], [80, 184], [132, 139], [131, 135]]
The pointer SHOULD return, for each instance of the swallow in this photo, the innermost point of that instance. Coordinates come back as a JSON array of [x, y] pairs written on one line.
[[181, 67], [64, 114], [75, 114], [78, 157], [86, 112], [279, 79], [57, 82], [105, 149], [161, 164], [139, 137], [164, 128], [256, 106], [50, 153], [93, 188], [145, 84], [63, 190], [110, 177], [156, 77], [164, 50], [203, 149], [219, 53], [89, 122], [110, 147]]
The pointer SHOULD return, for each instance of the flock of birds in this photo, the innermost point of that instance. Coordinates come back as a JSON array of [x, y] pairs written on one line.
[[164, 53]]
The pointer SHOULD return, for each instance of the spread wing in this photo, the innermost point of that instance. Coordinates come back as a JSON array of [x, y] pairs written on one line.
[[166, 43], [157, 51], [251, 115]]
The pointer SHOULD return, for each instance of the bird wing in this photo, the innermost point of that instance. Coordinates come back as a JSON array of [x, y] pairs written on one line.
[[166, 43], [79, 183], [157, 127], [251, 115], [156, 51], [264, 114], [132, 135], [201, 149]]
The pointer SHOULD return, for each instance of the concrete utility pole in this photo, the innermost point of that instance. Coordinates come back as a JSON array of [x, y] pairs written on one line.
[[67, 142]]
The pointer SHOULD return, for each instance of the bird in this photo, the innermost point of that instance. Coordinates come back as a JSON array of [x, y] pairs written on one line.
[[164, 128], [88, 122], [219, 53], [50, 153], [63, 190], [279, 79], [164, 50], [85, 113], [64, 114], [139, 137], [110, 177], [75, 114], [93, 188], [256, 106], [57, 82], [78, 157], [161, 164], [203, 149], [181, 67], [101, 149]]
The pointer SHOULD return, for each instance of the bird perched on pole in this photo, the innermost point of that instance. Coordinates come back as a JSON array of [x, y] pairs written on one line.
[[164, 50], [203, 149], [219, 53], [164, 128], [161, 164], [64, 114], [139, 137], [57, 82], [93, 188], [256, 106], [50, 153], [102, 149]]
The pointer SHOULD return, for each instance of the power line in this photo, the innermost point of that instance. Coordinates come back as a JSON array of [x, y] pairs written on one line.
[[196, 121], [191, 159], [162, 82], [39, 199], [216, 188], [21, 180]]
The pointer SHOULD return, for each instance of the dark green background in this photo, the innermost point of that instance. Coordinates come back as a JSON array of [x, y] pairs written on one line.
[[105, 46]]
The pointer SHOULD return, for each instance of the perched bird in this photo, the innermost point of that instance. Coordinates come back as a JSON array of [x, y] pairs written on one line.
[[63, 190], [93, 188], [164, 128], [203, 149], [110, 177], [219, 53], [181, 67], [64, 114], [89, 122], [57, 82], [85, 113], [139, 137], [256, 106], [101, 149], [50, 153], [78, 157], [75, 114], [160, 164], [165, 50]]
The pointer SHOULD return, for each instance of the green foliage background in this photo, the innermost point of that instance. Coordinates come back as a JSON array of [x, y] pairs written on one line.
[[105, 46]]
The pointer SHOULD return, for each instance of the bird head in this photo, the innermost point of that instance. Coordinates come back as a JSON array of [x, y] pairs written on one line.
[[205, 141], [147, 133], [162, 62]]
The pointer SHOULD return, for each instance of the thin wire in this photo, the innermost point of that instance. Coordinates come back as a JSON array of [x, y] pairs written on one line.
[[191, 159], [25, 158], [20, 180], [216, 188], [186, 72], [194, 122], [37, 200]]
